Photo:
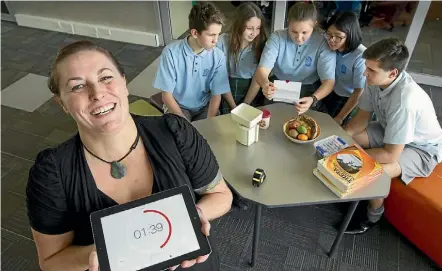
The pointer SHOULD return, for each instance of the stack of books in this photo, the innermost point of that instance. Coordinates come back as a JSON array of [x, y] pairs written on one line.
[[347, 170]]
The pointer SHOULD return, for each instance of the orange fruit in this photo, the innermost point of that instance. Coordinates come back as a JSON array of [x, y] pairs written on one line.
[[303, 137], [309, 133]]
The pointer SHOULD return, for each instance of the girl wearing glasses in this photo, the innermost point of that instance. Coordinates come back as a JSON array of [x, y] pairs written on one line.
[[243, 47], [344, 36], [299, 54]]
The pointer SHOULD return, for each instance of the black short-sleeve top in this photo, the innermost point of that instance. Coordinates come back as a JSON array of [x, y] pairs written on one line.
[[61, 192]]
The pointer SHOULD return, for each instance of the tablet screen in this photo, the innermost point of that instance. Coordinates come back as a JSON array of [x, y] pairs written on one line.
[[149, 234]]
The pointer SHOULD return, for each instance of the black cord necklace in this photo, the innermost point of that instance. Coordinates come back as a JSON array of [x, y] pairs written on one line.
[[118, 170]]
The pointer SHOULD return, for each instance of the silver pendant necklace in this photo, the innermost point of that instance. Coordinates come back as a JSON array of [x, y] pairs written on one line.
[[118, 170]]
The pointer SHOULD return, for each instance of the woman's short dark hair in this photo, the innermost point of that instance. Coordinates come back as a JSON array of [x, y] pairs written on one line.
[[72, 49], [391, 54], [347, 22]]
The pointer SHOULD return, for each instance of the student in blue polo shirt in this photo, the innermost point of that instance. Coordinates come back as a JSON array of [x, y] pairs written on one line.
[[299, 54], [192, 73], [344, 36], [243, 47]]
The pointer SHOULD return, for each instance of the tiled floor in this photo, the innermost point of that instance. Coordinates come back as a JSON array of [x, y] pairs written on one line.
[[27, 50], [292, 238], [28, 93]]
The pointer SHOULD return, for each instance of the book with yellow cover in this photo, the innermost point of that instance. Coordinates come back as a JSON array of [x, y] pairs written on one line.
[[350, 168], [329, 184]]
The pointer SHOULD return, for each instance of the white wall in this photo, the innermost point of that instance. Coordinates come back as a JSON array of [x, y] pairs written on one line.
[[137, 18], [179, 13], [133, 15]]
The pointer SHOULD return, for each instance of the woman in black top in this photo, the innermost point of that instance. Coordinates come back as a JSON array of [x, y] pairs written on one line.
[[70, 181]]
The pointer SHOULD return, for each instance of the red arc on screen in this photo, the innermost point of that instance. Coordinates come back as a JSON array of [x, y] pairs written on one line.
[[168, 222]]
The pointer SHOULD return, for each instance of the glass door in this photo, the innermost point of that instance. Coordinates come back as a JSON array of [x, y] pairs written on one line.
[[424, 40]]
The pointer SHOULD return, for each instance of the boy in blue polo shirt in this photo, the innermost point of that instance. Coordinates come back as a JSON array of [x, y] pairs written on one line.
[[192, 73]]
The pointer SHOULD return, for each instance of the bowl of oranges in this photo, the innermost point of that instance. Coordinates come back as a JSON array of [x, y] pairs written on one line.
[[301, 129]]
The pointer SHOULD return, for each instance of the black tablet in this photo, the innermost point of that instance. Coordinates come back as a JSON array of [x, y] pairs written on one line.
[[152, 233]]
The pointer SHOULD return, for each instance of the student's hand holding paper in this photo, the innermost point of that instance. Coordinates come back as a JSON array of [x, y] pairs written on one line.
[[205, 228], [288, 91], [269, 90], [303, 104]]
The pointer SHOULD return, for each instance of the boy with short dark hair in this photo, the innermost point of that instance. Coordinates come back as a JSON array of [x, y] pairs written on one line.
[[192, 73], [407, 137]]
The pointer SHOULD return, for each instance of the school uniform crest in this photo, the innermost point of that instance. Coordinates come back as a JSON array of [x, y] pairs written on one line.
[[308, 61], [206, 72], [343, 69]]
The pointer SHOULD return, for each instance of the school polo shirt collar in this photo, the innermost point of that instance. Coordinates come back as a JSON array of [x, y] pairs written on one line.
[[349, 53], [188, 50], [342, 54], [248, 48], [389, 89], [226, 39]]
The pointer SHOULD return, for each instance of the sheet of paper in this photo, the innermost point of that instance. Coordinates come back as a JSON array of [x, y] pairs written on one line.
[[287, 92]]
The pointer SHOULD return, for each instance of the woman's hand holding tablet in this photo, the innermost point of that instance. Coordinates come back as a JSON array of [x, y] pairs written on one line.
[[205, 229], [159, 232]]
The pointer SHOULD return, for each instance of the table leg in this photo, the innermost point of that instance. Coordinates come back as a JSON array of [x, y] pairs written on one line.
[[256, 234], [343, 227]]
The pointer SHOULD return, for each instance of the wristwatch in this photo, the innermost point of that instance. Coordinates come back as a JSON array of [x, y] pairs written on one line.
[[315, 100]]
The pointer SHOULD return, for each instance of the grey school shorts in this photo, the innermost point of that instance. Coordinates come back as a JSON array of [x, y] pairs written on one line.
[[414, 162], [191, 115]]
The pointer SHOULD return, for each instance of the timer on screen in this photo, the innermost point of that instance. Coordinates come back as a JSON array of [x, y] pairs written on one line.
[[149, 230]]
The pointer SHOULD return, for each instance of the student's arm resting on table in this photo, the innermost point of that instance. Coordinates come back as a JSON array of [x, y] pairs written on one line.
[[358, 84], [165, 80], [252, 91], [50, 220], [267, 62]]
